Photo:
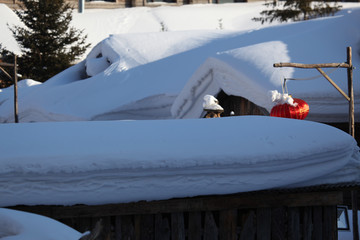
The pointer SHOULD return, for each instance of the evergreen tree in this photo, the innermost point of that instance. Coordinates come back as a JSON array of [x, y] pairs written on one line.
[[297, 10], [48, 43], [6, 57]]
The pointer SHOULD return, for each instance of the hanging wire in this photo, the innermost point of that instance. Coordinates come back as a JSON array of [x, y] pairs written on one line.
[[284, 86]]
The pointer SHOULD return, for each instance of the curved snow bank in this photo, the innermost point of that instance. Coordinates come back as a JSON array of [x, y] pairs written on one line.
[[107, 162], [18, 225]]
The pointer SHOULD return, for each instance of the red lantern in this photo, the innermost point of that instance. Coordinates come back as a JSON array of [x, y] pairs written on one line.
[[300, 111]]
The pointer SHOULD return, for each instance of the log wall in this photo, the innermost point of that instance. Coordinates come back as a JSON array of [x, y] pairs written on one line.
[[292, 216]]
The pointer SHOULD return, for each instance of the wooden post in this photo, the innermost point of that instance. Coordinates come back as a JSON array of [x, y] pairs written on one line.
[[354, 203], [349, 97], [16, 111], [351, 93]]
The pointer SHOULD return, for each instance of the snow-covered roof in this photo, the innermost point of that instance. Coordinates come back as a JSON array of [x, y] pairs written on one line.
[[123, 161], [248, 71], [137, 73]]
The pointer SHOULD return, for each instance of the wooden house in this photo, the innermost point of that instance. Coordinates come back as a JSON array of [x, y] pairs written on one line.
[[292, 214], [190, 195], [242, 86]]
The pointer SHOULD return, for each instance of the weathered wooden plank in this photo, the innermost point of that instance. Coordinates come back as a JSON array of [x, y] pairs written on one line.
[[106, 233], [293, 223], [263, 223], [330, 223], [355, 220], [242, 107], [162, 227], [278, 224], [307, 223], [318, 220], [207, 203], [195, 226], [177, 226], [127, 227], [248, 230], [137, 227], [117, 228], [228, 224], [211, 231], [147, 231]]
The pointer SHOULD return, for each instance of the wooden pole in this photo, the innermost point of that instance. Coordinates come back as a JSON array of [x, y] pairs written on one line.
[[349, 97], [15, 92], [320, 65], [351, 93]]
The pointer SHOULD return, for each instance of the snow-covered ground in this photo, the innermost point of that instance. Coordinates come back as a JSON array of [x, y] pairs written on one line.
[[135, 70]]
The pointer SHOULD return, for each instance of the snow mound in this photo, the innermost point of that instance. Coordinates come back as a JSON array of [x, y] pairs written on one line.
[[161, 159], [18, 225]]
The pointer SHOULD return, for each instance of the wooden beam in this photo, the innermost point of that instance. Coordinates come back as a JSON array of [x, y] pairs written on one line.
[[333, 83], [320, 65], [8, 75], [4, 64], [354, 205], [205, 203]]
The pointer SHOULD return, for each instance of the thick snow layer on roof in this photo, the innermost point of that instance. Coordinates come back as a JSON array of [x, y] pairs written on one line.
[[123, 161]]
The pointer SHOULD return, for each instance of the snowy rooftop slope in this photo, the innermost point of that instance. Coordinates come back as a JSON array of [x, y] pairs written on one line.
[[6, 38], [62, 163], [138, 75]]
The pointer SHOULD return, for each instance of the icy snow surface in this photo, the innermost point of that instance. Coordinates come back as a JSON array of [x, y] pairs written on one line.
[[123, 161]]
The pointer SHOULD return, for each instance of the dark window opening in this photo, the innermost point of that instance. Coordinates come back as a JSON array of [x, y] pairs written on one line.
[[238, 106]]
